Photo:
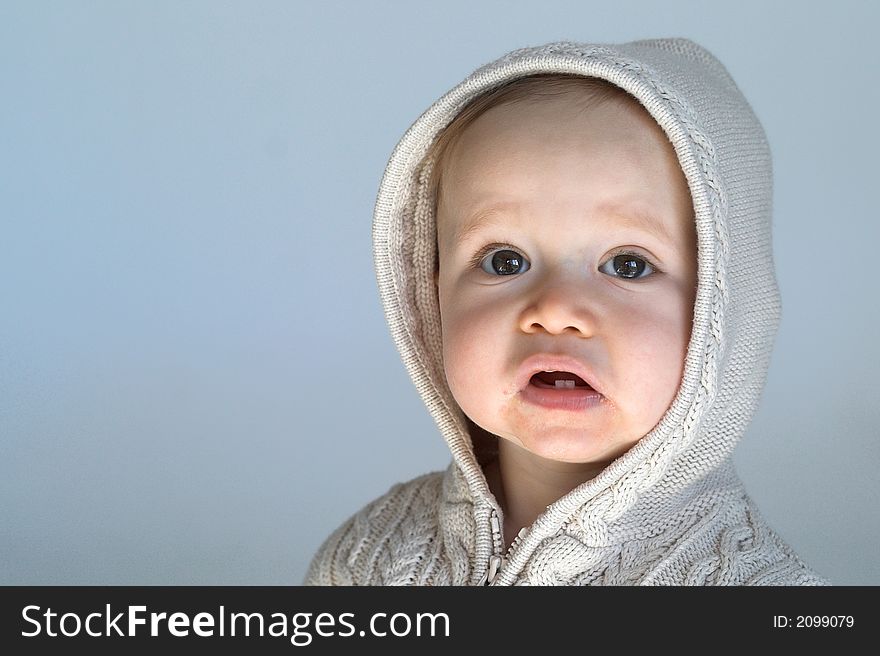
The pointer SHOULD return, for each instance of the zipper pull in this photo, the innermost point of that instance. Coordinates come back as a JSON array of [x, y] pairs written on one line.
[[495, 564]]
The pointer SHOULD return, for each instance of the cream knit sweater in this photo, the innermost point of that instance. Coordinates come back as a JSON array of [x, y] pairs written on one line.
[[672, 510]]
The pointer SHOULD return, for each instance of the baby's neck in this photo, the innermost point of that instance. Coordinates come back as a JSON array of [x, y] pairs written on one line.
[[525, 484]]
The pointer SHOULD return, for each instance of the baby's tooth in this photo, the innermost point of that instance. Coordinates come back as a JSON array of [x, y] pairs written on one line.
[[564, 383]]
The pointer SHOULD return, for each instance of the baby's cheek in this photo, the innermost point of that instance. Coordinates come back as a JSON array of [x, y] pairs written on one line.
[[461, 355], [660, 357], [467, 361]]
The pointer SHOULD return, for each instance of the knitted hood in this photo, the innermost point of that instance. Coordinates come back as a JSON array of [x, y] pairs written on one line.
[[724, 154]]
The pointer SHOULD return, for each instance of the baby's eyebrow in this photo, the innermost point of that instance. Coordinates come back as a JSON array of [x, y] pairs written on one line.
[[482, 218], [638, 218], [628, 215]]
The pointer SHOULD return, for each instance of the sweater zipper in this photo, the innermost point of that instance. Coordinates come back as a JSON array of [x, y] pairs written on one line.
[[496, 560]]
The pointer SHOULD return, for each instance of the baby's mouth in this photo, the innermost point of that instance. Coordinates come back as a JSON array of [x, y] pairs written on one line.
[[558, 380]]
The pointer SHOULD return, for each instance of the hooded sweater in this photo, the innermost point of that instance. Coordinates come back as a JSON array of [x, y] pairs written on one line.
[[672, 509]]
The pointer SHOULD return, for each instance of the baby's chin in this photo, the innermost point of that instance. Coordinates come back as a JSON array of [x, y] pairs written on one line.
[[523, 419], [577, 447]]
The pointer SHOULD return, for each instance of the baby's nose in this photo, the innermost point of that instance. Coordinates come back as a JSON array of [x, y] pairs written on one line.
[[559, 306]]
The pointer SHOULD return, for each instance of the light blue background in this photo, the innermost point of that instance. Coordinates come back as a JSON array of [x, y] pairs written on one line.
[[196, 381]]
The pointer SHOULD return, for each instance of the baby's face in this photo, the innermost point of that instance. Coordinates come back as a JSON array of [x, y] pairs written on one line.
[[566, 242]]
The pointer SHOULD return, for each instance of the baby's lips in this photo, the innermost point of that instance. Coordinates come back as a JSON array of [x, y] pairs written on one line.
[[558, 380], [554, 362]]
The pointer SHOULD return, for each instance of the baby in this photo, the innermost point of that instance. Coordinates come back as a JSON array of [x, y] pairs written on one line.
[[573, 251]]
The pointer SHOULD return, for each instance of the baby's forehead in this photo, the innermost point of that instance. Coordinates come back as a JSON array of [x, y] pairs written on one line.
[[553, 133]]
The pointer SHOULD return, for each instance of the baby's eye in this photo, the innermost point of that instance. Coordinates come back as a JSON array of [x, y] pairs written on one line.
[[628, 266], [504, 262]]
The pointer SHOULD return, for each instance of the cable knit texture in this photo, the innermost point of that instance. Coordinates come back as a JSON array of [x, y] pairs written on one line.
[[672, 510]]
